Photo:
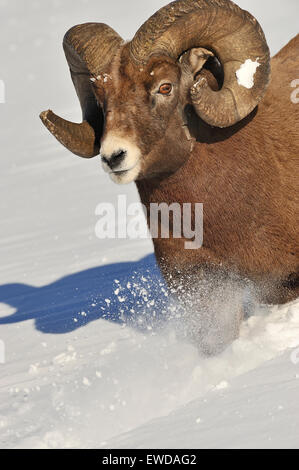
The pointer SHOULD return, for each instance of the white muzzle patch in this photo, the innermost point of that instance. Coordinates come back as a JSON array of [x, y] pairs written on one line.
[[129, 167]]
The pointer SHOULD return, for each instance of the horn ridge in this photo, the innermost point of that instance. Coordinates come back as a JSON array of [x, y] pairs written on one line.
[[80, 138], [89, 48]]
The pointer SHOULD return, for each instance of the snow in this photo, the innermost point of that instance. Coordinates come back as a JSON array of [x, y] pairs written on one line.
[[245, 74], [259, 410], [90, 360]]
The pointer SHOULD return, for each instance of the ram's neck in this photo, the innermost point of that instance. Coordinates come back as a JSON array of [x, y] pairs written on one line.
[[218, 165]]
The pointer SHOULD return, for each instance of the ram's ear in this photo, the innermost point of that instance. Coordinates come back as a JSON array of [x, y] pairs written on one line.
[[202, 63], [196, 59]]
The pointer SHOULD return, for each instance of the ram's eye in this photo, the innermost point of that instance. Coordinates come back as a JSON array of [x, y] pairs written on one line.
[[165, 89]]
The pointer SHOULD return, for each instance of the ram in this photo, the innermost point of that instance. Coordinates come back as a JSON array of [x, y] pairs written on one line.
[[188, 111]]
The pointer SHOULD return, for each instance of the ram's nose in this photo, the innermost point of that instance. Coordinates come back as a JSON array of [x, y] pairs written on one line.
[[114, 160]]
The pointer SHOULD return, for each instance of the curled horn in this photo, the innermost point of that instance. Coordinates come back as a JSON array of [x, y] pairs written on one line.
[[220, 26], [89, 49]]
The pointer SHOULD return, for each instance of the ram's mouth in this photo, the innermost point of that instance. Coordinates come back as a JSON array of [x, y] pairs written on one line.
[[121, 172], [125, 176]]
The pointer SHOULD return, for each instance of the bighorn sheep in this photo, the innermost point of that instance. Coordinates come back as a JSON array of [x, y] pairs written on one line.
[[187, 111]]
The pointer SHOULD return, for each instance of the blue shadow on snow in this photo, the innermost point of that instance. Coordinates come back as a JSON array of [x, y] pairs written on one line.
[[120, 292]]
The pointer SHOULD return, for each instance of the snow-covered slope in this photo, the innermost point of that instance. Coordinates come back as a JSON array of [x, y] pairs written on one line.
[[87, 387], [257, 410], [89, 362]]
